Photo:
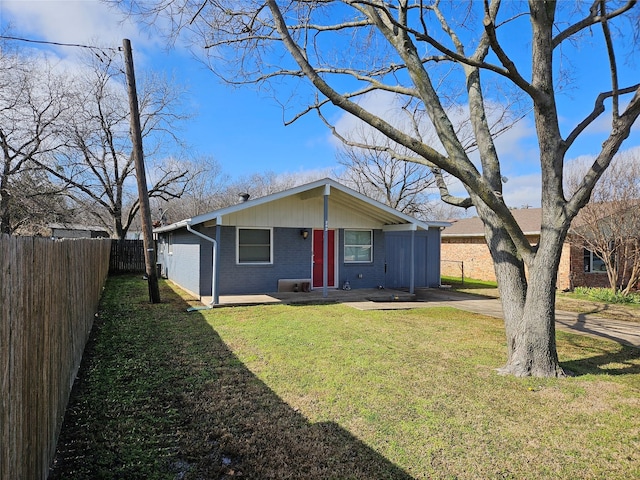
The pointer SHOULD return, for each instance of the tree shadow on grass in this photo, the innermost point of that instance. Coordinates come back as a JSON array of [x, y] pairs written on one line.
[[160, 395], [240, 426], [625, 361]]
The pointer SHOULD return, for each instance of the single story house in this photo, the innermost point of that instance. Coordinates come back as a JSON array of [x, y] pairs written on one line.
[[71, 230], [318, 235], [465, 251]]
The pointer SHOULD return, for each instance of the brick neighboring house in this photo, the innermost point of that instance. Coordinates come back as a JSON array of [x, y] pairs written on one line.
[[464, 246]]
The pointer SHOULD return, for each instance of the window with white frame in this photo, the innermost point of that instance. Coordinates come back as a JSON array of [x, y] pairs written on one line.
[[358, 246], [170, 244], [593, 263], [254, 245]]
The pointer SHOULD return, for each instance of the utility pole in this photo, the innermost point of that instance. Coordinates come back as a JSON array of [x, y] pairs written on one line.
[[143, 193]]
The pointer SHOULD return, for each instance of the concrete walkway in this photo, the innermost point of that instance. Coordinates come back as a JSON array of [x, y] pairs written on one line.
[[627, 333]]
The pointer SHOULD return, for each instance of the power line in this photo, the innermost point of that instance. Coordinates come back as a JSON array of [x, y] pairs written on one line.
[[59, 44]]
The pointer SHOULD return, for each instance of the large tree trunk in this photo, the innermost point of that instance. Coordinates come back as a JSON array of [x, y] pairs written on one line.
[[531, 337], [528, 303]]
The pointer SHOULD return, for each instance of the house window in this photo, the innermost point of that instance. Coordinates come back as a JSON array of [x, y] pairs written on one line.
[[358, 246], [254, 245], [593, 263], [170, 244]]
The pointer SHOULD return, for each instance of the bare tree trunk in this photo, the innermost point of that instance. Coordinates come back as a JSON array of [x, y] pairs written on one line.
[[528, 300], [531, 335], [5, 216], [531, 342]]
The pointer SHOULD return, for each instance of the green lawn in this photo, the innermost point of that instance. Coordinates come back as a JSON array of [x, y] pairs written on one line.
[[327, 391], [468, 283]]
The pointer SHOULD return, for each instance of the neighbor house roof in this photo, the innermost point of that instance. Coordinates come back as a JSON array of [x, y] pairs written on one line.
[[76, 226], [529, 220], [339, 194]]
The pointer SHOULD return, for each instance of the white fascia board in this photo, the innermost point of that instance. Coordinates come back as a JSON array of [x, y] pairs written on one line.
[[438, 224], [173, 226], [401, 227]]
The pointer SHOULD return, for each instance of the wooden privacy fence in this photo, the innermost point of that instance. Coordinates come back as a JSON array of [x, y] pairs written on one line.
[[49, 294], [127, 256]]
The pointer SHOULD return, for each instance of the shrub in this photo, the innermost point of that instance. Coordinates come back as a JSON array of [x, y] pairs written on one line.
[[607, 295]]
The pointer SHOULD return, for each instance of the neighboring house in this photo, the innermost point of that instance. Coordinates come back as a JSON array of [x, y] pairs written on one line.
[[318, 235], [68, 230], [464, 247]]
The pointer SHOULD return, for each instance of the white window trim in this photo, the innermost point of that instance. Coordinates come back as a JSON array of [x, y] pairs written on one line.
[[345, 245], [270, 262]]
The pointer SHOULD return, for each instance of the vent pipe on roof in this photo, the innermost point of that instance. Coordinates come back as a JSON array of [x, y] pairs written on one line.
[[243, 197]]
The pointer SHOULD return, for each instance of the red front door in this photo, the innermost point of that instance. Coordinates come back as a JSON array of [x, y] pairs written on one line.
[[318, 257]]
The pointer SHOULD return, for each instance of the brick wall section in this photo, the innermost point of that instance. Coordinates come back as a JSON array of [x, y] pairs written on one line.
[[580, 277], [474, 255], [564, 269]]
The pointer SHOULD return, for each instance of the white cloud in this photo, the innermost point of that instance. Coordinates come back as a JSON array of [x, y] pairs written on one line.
[[523, 191], [68, 21], [387, 106], [510, 144]]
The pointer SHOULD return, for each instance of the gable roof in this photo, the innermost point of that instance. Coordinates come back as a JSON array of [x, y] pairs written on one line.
[[529, 219], [338, 193]]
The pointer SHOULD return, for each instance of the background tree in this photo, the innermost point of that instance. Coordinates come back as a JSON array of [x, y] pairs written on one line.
[[210, 189], [96, 162], [34, 104], [262, 184], [385, 175], [206, 188], [39, 204], [609, 224], [443, 60]]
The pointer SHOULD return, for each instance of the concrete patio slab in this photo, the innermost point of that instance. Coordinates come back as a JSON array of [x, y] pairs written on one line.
[[627, 333]]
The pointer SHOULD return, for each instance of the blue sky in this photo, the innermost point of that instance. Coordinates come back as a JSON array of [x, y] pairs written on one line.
[[242, 129]]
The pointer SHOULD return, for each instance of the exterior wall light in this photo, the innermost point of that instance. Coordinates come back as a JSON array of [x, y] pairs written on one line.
[[304, 233]]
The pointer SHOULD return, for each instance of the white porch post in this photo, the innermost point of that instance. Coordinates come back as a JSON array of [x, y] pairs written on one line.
[[325, 244], [216, 263]]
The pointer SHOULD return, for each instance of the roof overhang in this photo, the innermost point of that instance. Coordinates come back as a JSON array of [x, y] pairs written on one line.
[[339, 196]]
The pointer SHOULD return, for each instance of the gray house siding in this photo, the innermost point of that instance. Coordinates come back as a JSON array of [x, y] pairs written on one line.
[[190, 263], [426, 259], [372, 273], [291, 259], [182, 264], [432, 260], [289, 254]]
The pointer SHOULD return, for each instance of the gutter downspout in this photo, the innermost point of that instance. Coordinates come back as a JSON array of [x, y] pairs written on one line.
[[214, 277]]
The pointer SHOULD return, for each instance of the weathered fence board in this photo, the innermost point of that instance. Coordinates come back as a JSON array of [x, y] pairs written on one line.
[[49, 293]]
